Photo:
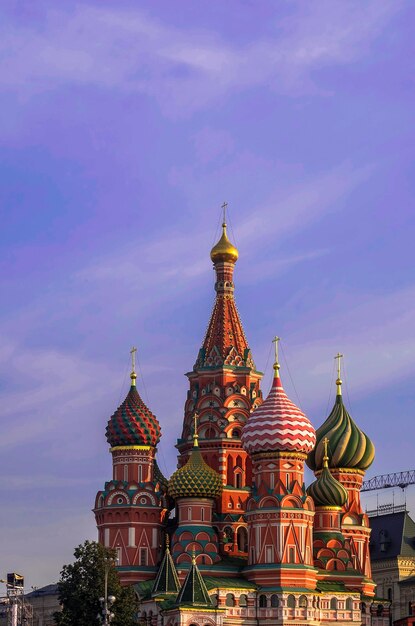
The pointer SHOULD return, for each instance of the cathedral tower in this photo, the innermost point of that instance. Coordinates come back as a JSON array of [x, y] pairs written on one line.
[[280, 514], [130, 510], [194, 487], [351, 453], [224, 389]]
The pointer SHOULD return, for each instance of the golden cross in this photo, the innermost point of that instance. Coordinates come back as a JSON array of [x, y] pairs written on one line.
[[224, 207], [338, 357], [275, 341], [325, 443], [132, 352]]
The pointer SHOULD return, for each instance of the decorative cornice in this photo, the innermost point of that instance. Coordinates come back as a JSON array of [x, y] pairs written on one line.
[[299, 456], [115, 448]]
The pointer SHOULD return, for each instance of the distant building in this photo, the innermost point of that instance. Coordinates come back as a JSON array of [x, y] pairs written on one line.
[[45, 603], [392, 552]]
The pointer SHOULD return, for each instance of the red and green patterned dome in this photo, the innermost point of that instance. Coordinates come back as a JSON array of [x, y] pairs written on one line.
[[133, 424]]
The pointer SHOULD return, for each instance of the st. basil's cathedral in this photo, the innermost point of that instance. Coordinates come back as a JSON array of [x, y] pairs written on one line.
[[234, 537]]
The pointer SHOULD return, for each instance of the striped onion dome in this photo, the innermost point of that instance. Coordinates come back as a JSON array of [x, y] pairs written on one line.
[[278, 425], [195, 479], [326, 490], [350, 448], [133, 424]]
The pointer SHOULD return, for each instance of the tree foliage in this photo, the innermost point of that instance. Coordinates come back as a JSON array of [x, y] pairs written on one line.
[[82, 584]]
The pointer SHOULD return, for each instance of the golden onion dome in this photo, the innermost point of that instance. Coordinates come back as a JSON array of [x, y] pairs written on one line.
[[224, 250]]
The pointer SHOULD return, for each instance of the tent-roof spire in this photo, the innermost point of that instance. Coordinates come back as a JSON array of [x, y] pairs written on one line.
[[166, 581], [194, 590]]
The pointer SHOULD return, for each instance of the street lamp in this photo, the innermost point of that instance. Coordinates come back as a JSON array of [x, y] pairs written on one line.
[[106, 616]]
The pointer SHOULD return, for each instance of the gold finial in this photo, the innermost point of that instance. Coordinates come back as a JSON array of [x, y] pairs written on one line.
[[326, 456], [224, 250], [276, 363], [167, 542], [339, 381], [133, 375], [195, 437], [193, 557]]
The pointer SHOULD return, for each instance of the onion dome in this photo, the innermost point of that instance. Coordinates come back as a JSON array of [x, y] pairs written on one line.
[[133, 424], [278, 424], [326, 490], [224, 250], [350, 447], [195, 479]]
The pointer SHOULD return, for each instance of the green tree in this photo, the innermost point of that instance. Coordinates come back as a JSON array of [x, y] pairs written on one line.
[[82, 584]]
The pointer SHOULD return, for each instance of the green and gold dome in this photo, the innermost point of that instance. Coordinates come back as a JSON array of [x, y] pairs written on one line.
[[326, 490], [350, 447], [195, 479]]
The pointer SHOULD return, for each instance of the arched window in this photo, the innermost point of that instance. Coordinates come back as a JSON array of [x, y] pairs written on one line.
[[274, 601], [349, 604], [243, 600], [302, 602], [291, 601], [363, 607], [210, 433], [236, 433], [230, 599], [227, 535], [262, 601], [379, 610], [390, 594], [242, 539], [238, 480], [333, 604], [126, 473]]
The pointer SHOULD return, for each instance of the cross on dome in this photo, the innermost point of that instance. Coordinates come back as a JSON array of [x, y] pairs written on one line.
[[339, 380], [133, 374]]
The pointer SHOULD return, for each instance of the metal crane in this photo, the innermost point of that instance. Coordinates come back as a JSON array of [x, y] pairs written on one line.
[[397, 479]]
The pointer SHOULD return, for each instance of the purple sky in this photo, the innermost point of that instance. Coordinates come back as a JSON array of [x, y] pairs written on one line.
[[123, 128]]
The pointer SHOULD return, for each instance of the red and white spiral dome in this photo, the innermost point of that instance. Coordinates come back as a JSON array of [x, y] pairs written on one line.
[[278, 425]]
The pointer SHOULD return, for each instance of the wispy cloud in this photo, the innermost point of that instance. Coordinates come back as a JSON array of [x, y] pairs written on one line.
[[47, 385], [124, 48], [375, 333]]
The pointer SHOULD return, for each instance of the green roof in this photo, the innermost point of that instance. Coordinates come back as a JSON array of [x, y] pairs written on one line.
[[143, 589], [194, 591], [212, 582], [327, 585], [166, 581]]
